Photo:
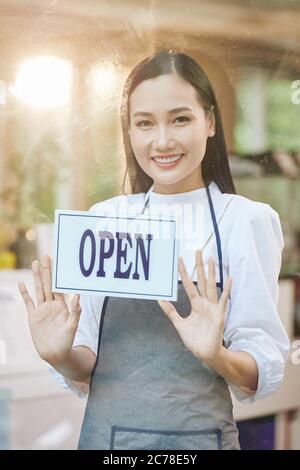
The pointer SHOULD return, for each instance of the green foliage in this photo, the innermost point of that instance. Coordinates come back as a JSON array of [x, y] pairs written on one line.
[[282, 116]]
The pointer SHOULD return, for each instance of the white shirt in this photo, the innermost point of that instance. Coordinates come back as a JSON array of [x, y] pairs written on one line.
[[252, 242]]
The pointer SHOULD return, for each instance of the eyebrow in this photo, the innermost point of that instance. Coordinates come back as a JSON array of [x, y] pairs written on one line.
[[171, 111]]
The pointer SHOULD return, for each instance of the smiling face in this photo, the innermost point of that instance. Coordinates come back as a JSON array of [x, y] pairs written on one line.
[[166, 119]]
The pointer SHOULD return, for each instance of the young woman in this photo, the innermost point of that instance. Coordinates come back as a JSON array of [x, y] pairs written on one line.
[[160, 372]]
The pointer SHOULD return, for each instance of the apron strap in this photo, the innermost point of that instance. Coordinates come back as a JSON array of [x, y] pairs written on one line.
[[214, 221], [146, 199], [217, 234]]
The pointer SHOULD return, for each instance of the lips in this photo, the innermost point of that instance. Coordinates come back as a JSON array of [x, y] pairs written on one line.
[[167, 156], [167, 161]]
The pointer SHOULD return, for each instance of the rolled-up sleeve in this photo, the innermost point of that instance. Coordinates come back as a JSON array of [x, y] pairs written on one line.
[[253, 324], [86, 335]]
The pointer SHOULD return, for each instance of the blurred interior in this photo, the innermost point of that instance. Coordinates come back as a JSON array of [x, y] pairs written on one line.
[[62, 68]]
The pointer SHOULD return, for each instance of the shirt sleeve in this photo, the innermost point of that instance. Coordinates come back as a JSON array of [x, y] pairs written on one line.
[[253, 323], [86, 335]]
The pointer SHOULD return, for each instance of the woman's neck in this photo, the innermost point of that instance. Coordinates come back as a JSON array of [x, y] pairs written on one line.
[[178, 187]]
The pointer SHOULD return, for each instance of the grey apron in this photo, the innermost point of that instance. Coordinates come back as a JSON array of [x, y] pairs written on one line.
[[148, 391]]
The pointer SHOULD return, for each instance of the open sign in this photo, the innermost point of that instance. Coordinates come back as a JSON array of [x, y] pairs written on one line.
[[116, 256]]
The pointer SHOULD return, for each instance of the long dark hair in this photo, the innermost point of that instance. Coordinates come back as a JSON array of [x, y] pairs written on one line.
[[215, 165]]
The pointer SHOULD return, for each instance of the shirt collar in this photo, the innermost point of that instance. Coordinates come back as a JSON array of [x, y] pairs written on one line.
[[195, 195]]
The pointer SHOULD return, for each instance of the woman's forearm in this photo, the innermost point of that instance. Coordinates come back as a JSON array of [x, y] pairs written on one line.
[[78, 366], [238, 368]]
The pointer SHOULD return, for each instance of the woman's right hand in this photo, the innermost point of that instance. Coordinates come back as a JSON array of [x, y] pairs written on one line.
[[51, 324]]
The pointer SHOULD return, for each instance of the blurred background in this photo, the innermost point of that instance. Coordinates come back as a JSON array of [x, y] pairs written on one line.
[[63, 64]]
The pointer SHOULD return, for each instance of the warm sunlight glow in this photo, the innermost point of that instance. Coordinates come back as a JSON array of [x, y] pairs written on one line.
[[44, 82], [104, 81]]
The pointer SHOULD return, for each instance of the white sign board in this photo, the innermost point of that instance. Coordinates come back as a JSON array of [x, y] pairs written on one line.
[[116, 256]]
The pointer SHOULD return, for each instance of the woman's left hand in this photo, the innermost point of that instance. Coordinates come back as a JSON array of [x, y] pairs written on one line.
[[202, 331]]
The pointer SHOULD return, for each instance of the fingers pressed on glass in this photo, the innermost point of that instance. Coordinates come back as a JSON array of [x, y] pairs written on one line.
[[212, 294], [169, 310], [26, 297], [57, 296], [46, 277], [225, 294], [187, 282], [39, 289], [201, 278]]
